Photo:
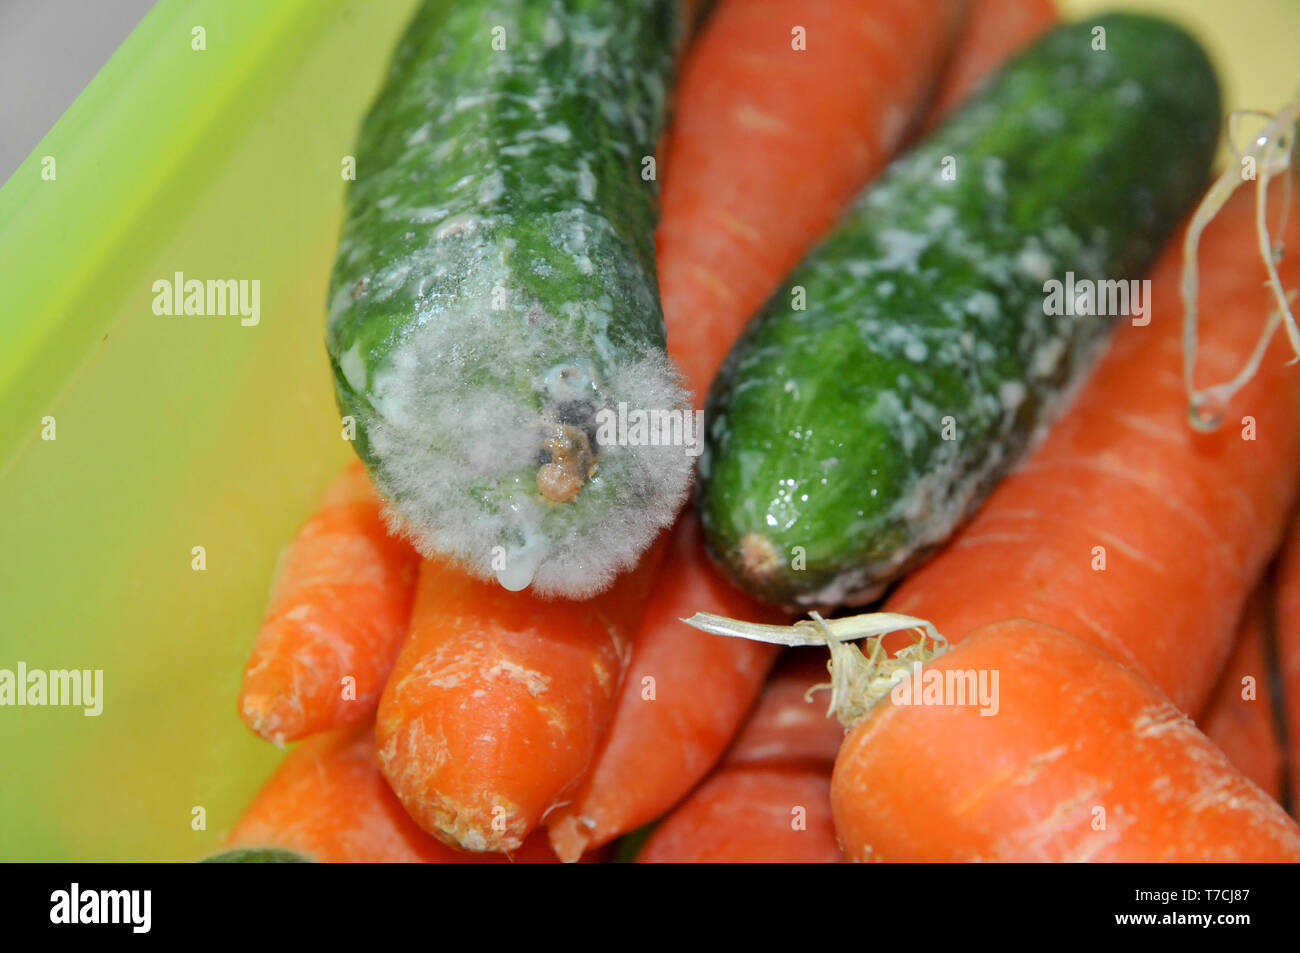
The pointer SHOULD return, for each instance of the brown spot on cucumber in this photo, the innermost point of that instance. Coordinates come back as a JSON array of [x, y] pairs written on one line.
[[758, 557], [571, 463]]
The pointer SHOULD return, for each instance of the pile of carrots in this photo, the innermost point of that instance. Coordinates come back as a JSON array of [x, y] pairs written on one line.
[[444, 719]]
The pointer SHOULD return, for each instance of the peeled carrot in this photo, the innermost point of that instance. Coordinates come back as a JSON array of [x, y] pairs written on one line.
[[1239, 716], [784, 109], [499, 701], [770, 799], [1083, 760], [1288, 652], [685, 695], [991, 32], [336, 619], [329, 802], [1127, 527]]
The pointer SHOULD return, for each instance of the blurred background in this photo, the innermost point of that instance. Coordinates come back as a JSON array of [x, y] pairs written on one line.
[[49, 51]]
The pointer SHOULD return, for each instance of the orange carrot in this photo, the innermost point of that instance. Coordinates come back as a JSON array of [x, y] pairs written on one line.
[[784, 109], [743, 72], [789, 726], [1082, 760], [685, 696], [770, 800], [329, 802], [789, 741], [1127, 527], [991, 32], [336, 620], [1239, 716], [499, 701], [750, 815], [1288, 652]]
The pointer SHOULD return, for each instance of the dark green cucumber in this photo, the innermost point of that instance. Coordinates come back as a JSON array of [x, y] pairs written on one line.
[[494, 298], [845, 441], [257, 855]]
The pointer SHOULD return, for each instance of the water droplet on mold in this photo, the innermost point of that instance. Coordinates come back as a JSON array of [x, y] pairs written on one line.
[[1205, 412], [515, 578], [521, 566]]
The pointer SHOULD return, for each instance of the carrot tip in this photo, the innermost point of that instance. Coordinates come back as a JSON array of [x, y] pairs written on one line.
[[570, 837], [272, 717], [481, 830]]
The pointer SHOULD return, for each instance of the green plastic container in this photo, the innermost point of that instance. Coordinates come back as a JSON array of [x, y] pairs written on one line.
[[174, 432], [171, 432]]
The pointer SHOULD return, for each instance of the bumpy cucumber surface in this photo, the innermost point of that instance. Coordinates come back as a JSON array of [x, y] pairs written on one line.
[[495, 288], [847, 440]]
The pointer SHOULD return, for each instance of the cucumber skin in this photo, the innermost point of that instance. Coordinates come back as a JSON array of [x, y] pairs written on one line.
[[823, 433], [257, 855], [518, 170]]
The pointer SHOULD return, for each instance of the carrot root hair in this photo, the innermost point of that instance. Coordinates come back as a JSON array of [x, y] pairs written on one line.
[[1269, 153], [859, 679]]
